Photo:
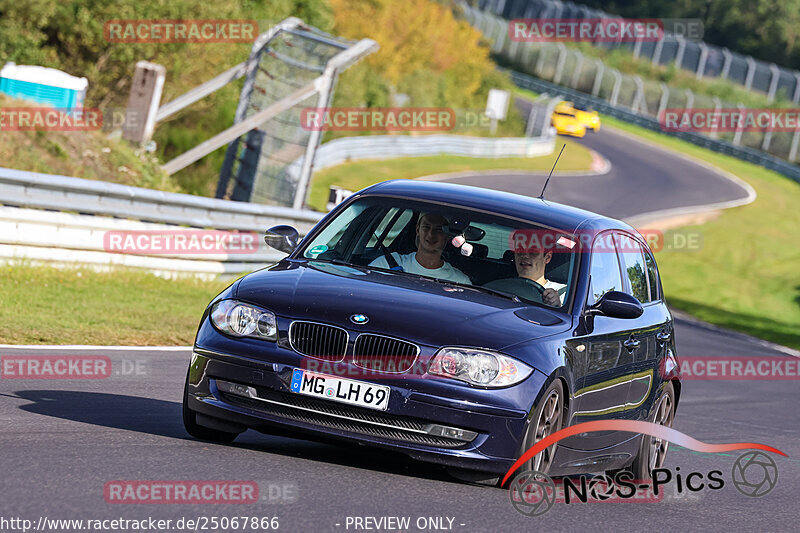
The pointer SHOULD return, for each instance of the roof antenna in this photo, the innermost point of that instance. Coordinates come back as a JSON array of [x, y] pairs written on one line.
[[541, 196]]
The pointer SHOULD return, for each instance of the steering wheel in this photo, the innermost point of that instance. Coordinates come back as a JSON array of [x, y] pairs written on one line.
[[531, 284]]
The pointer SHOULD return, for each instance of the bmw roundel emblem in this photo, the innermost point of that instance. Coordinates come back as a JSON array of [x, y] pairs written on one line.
[[359, 319]]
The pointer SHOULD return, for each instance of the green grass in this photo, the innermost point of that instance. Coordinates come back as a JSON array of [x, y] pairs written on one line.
[[43, 305], [357, 175], [746, 274]]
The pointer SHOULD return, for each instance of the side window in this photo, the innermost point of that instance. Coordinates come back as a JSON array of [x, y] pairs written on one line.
[[633, 267], [604, 269], [652, 276]]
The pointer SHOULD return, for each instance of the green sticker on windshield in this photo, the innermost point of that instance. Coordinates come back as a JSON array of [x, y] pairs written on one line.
[[318, 249]]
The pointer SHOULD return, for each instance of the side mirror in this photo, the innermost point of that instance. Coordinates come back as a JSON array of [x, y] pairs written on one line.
[[617, 304], [283, 238]]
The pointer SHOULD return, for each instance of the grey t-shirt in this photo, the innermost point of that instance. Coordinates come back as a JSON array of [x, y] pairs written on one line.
[[410, 264]]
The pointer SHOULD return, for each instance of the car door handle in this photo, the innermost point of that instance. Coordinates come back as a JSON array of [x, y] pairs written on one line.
[[663, 336], [631, 344]]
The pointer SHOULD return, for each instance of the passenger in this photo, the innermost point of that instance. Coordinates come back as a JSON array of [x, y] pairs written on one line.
[[427, 260]]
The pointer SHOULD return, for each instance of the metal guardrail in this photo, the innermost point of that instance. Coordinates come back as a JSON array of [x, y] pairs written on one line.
[[87, 210], [58, 238], [346, 149], [747, 154], [43, 191]]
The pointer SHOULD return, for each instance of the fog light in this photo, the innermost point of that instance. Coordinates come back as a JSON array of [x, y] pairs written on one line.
[[236, 388]]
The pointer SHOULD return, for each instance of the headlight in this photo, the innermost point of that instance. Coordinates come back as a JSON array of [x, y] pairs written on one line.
[[244, 320], [478, 367]]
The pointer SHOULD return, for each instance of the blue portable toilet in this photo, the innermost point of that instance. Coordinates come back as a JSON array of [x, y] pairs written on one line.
[[43, 85]]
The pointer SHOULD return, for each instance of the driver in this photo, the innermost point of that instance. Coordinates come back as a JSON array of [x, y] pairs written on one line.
[[530, 265], [427, 260]]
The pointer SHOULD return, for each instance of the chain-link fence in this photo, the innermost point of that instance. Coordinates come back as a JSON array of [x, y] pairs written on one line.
[[609, 90], [703, 59], [262, 165]]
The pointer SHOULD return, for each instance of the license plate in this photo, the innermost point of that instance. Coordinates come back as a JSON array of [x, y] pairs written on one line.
[[339, 389]]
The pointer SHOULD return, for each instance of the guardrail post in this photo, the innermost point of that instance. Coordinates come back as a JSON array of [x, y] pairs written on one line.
[[638, 99], [701, 64], [615, 90], [637, 48], [657, 52], [796, 96], [577, 73], [662, 102], [681, 50], [562, 58], [689, 99], [737, 137], [143, 102], [726, 63], [500, 40], [773, 84], [540, 59], [513, 50], [526, 55], [531, 120], [717, 106], [598, 77], [793, 149], [751, 72], [767, 140]]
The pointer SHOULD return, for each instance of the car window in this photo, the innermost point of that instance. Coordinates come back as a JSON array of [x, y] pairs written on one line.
[[331, 235], [633, 267], [604, 269], [495, 240], [476, 248], [652, 276], [389, 234]]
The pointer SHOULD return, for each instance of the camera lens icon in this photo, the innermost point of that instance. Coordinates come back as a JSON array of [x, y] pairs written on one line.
[[532, 493], [754, 474]]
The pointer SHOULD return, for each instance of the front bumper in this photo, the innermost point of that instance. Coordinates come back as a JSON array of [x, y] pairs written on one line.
[[425, 421]]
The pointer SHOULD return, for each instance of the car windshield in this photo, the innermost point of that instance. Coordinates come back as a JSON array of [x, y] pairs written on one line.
[[491, 253]]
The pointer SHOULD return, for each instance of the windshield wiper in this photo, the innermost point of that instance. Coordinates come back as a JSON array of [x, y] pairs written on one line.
[[443, 281], [495, 292]]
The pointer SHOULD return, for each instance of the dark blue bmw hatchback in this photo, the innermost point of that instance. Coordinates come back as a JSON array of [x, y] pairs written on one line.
[[454, 324]]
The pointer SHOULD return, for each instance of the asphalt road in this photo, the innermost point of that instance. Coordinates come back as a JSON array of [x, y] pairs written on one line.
[[63, 440], [643, 178]]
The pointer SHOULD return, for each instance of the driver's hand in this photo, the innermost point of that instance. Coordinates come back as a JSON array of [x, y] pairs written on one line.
[[551, 298]]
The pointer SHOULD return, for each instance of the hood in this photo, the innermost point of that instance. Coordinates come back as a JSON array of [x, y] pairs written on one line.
[[421, 311]]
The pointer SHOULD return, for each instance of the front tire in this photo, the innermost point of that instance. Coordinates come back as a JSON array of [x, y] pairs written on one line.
[[548, 417], [196, 430], [653, 450]]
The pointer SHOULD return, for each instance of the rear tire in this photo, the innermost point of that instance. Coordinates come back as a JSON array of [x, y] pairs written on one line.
[[652, 450], [196, 430]]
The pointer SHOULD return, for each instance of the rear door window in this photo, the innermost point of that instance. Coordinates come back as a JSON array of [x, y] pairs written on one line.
[[652, 276], [633, 267], [604, 269]]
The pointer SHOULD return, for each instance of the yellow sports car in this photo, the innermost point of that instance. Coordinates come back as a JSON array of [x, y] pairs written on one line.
[[585, 115], [566, 123]]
